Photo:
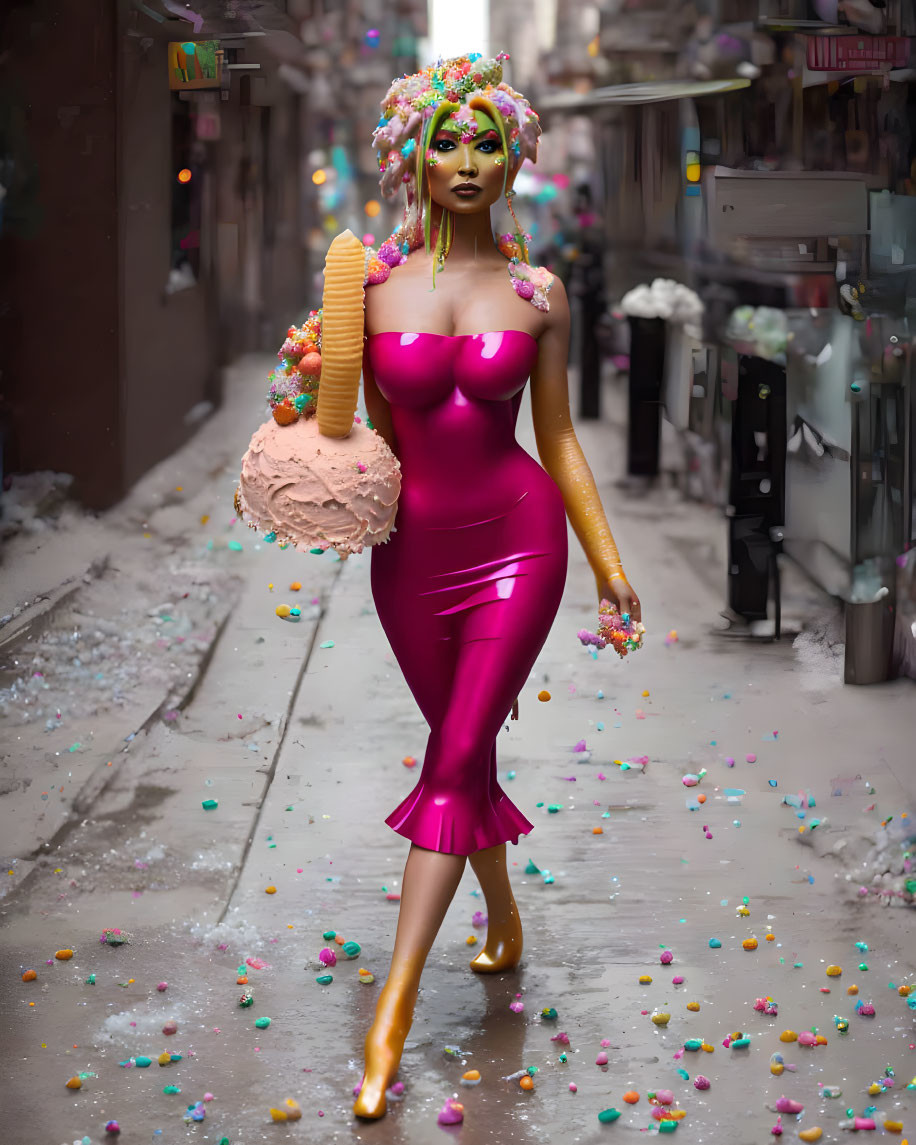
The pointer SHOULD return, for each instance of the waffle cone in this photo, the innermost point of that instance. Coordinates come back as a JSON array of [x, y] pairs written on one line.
[[341, 334]]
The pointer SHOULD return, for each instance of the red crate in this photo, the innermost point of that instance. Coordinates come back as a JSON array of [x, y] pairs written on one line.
[[857, 53]]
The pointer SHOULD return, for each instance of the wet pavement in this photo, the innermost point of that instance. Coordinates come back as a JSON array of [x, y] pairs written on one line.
[[301, 741]]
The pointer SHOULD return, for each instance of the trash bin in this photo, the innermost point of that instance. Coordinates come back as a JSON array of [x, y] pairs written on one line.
[[869, 640]]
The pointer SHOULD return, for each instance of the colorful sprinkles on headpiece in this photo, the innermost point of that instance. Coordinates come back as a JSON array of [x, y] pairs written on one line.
[[412, 100]]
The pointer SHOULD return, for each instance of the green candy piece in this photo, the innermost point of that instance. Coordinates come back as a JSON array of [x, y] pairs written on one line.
[[740, 1043], [684, 1074], [142, 1062], [549, 1014], [667, 1126], [210, 804], [694, 1044], [564, 1058], [171, 1089], [247, 999], [175, 1057], [329, 935], [351, 949], [324, 979], [715, 943], [531, 869], [235, 546], [863, 966], [262, 1023], [553, 808], [317, 552], [90, 981], [608, 1115]]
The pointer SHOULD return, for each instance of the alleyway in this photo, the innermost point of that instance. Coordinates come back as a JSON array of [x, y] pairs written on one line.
[[298, 732]]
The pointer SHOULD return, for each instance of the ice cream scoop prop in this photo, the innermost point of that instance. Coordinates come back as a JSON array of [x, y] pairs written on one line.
[[312, 477]]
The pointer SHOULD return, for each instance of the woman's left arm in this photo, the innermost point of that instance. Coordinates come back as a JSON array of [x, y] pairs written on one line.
[[562, 457]]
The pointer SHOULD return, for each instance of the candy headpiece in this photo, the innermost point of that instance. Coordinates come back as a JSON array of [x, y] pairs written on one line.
[[414, 109], [411, 103]]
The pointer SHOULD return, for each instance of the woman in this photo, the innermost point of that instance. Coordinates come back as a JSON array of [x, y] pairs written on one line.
[[469, 584]]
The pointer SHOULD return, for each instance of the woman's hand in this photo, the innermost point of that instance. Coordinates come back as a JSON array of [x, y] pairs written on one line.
[[618, 590]]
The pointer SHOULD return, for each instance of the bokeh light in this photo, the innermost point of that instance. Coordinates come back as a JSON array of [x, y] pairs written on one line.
[[184, 175], [320, 176], [372, 208]]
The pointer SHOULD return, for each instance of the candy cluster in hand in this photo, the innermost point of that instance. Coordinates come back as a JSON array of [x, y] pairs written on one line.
[[621, 631], [293, 385]]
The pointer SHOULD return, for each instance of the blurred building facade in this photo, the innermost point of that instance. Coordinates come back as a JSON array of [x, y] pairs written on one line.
[[149, 235], [763, 152]]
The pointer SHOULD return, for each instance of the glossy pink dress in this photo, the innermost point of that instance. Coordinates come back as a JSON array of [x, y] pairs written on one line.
[[469, 583]]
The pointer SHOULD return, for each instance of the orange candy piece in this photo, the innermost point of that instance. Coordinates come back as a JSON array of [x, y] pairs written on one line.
[[526, 1082], [271, 890], [63, 955], [285, 413], [29, 975], [597, 830], [309, 365], [543, 695], [749, 944], [631, 1097]]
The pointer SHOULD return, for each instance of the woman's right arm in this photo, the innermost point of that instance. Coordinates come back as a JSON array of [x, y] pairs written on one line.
[[377, 405]]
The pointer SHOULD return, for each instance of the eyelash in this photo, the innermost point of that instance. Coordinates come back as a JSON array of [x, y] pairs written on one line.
[[488, 143]]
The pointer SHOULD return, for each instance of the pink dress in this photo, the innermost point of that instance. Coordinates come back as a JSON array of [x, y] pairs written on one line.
[[470, 581]]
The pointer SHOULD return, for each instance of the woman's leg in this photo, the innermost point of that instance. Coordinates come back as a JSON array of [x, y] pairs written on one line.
[[430, 881], [503, 947]]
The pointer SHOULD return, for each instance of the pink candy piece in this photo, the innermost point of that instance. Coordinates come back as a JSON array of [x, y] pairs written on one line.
[[777, 1128], [573, 1088], [580, 746], [677, 980], [522, 288], [601, 1059], [666, 957], [162, 987], [664, 1096], [864, 1123], [787, 1105], [562, 1038], [701, 1082], [806, 1038], [397, 1089], [451, 1113], [730, 762], [327, 957], [751, 758], [866, 1010], [208, 1097], [379, 274], [605, 1042], [257, 963]]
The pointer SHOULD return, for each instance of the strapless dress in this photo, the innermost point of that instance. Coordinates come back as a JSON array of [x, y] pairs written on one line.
[[469, 583]]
